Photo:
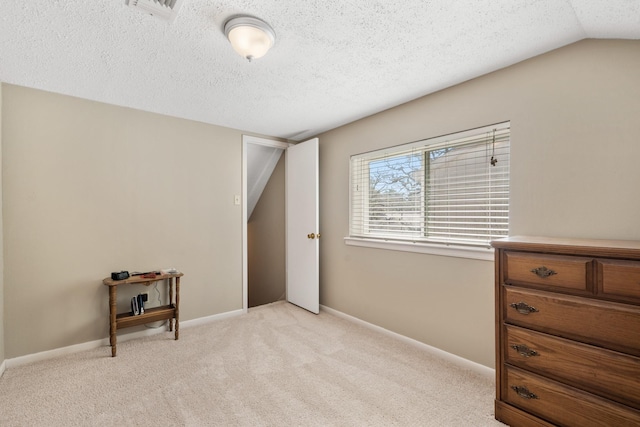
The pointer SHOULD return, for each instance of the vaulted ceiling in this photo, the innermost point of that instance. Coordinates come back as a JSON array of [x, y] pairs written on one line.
[[334, 61]]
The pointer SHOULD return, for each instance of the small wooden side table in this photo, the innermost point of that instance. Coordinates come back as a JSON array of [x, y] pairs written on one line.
[[125, 320]]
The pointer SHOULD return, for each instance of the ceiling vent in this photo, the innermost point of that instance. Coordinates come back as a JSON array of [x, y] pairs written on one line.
[[166, 10]]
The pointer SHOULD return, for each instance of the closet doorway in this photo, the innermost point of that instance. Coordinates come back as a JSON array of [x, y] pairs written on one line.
[[263, 208], [291, 232]]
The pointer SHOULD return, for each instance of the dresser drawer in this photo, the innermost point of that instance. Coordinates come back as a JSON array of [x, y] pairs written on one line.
[[603, 372], [556, 271], [619, 279], [564, 405], [607, 324]]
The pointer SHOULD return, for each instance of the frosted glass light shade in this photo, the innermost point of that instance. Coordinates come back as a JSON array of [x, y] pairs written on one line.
[[250, 37]]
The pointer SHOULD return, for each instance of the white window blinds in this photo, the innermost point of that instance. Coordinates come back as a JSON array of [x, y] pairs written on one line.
[[452, 189]]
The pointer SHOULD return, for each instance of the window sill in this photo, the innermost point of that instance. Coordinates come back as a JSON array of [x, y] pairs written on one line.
[[457, 251]]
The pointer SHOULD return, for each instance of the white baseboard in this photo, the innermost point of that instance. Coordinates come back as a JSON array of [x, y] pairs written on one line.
[[49, 354], [457, 360], [212, 318]]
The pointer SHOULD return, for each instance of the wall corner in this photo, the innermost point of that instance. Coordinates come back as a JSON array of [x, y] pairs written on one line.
[[2, 355]]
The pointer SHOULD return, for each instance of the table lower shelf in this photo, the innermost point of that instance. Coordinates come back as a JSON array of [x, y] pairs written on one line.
[[126, 320]]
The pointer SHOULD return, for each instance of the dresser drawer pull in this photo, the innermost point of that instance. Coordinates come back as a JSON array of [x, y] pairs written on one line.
[[524, 351], [543, 272], [524, 392], [523, 307]]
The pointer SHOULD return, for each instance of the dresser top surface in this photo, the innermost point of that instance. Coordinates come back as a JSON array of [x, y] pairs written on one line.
[[591, 247]]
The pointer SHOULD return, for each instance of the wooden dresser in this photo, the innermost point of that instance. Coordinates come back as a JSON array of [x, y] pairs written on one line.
[[567, 332]]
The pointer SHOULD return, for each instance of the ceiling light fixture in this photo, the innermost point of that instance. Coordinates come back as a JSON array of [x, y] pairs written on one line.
[[250, 37]]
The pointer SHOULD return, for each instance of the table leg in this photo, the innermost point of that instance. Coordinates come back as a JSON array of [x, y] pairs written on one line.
[[170, 280], [112, 319], [177, 304]]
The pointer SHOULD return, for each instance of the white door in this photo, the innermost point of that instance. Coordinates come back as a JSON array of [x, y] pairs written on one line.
[[303, 284]]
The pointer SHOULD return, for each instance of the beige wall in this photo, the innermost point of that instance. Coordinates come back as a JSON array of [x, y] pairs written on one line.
[[575, 125], [91, 188], [266, 242]]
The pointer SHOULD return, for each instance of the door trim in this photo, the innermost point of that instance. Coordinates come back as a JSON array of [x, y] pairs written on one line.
[[248, 139]]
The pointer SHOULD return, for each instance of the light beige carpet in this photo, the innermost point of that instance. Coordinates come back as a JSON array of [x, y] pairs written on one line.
[[276, 366]]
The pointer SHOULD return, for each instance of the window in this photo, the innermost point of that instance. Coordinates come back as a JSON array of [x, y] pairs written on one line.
[[451, 190]]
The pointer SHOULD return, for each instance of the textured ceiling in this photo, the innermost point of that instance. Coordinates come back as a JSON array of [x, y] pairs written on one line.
[[334, 61]]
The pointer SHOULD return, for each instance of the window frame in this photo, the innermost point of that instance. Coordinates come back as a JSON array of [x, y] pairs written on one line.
[[479, 250]]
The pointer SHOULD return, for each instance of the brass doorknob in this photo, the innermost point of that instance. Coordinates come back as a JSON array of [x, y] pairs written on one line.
[[311, 236]]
